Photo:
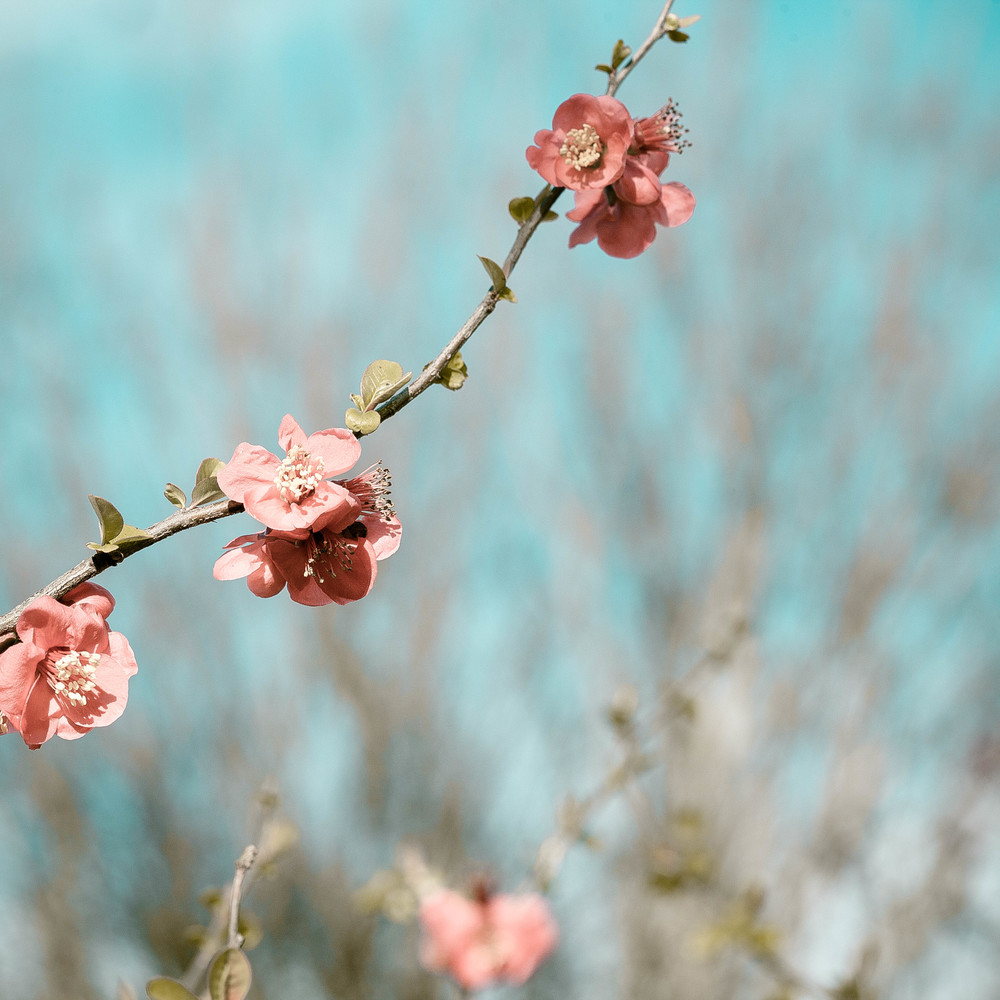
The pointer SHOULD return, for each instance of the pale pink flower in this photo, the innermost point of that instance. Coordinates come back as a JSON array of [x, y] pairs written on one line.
[[624, 229], [498, 938], [587, 144], [69, 673], [293, 494], [335, 565]]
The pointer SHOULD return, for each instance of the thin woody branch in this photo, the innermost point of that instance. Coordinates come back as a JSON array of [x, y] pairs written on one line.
[[191, 517]]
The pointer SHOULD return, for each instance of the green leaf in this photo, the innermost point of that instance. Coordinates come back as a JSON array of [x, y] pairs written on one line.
[[357, 401], [251, 929], [163, 988], [550, 216], [604, 69], [131, 538], [229, 975], [620, 54], [209, 467], [176, 495], [381, 380], [495, 271], [361, 423], [520, 209], [507, 294], [205, 491], [454, 373], [108, 517], [677, 36]]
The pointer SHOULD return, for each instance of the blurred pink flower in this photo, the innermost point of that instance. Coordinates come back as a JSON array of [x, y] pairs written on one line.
[[478, 942], [69, 673], [292, 494], [334, 565], [625, 229], [587, 144]]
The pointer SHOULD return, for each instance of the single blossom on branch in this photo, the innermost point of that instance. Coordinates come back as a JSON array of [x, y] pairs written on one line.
[[69, 672], [620, 198]]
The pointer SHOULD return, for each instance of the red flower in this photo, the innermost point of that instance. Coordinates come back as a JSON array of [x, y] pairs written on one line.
[[69, 673], [334, 565], [624, 216], [478, 942], [625, 229], [587, 144]]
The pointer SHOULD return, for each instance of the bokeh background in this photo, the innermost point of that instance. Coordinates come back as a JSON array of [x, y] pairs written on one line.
[[753, 473]]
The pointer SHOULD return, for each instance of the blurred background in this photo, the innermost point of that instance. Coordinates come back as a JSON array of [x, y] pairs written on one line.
[[752, 473]]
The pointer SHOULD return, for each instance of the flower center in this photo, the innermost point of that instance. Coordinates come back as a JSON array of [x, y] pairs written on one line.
[[298, 475], [71, 676], [327, 553], [372, 489], [661, 132], [583, 147]]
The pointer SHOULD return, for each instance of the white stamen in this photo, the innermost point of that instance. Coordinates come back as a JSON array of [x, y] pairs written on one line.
[[298, 475], [582, 148]]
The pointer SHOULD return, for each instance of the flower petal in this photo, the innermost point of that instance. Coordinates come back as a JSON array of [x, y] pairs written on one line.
[[337, 446], [678, 202], [638, 184], [290, 433], [250, 467]]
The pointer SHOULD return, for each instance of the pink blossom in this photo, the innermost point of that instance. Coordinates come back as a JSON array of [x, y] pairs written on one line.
[[623, 217], [293, 494], [624, 229], [334, 565], [478, 942], [69, 673], [587, 144]]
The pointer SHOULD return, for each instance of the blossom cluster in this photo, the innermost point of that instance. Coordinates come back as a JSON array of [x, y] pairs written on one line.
[[613, 164], [69, 672], [322, 539]]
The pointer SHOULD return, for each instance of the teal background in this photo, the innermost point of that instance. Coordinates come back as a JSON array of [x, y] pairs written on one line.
[[214, 213]]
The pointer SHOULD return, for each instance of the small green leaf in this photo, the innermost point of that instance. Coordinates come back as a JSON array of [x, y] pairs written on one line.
[[620, 54], [131, 538], [106, 547], [251, 929], [454, 373], [209, 467], [604, 69], [205, 491], [381, 380], [507, 294], [361, 423], [520, 209], [550, 216], [229, 975], [163, 988], [176, 495], [108, 517], [677, 36], [495, 271], [357, 401]]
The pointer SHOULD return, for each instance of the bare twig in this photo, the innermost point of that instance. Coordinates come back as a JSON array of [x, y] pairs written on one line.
[[243, 864]]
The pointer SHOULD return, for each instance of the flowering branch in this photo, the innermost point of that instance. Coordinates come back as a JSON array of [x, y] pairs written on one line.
[[101, 561]]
